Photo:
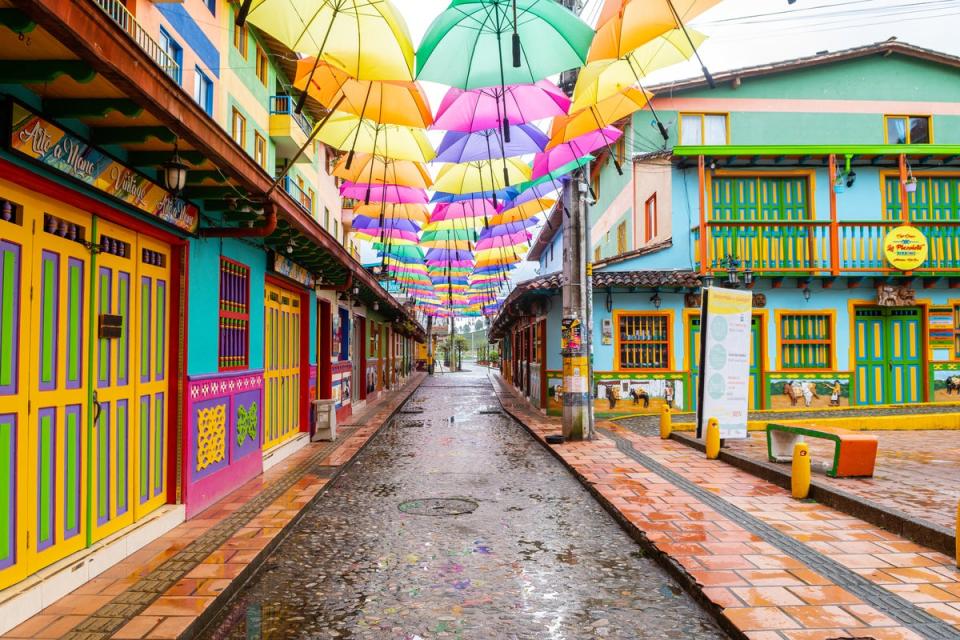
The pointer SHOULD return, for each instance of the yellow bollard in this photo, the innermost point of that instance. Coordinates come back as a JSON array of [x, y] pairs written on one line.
[[713, 439], [666, 423], [800, 471]]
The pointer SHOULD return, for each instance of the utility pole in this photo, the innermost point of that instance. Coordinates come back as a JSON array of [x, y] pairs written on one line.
[[430, 345], [452, 350], [575, 330]]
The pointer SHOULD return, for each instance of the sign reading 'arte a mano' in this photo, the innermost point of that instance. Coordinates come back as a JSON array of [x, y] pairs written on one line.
[[48, 144]]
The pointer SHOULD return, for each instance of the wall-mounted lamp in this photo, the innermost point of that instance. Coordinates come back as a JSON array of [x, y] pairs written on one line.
[[656, 300], [707, 280], [289, 247], [175, 172], [806, 293], [376, 306], [609, 301], [851, 178], [355, 291]]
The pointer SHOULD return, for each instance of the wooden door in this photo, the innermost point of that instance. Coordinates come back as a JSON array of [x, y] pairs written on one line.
[[281, 365], [903, 328]]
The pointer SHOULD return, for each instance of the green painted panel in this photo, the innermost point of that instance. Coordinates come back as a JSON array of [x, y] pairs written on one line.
[[144, 448], [45, 486], [48, 319], [123, 459], [103, 365], [160, 330], [71, 454], [8, 453], [145, 328], [10, 290], [103, 465], [74, 318]]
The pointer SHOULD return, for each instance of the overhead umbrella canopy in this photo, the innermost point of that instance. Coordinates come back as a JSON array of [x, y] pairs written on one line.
[[376, 170], [597, 116], [481, 109], [385, 101], [490, 143], [625, 25], [414, 212], [367, 39], [475, 177], [347, 131], [390, 193], [469, 45], [573, 154]]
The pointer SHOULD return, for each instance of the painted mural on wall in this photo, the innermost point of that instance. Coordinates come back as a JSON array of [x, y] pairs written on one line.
[[808, 390], [624, 394], [946, 382]]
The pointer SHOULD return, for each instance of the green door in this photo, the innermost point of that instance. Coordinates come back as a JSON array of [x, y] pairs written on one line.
[[887, 349], [756, 361]]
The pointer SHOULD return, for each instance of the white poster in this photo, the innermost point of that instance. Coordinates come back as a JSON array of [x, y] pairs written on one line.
[[725, 361]]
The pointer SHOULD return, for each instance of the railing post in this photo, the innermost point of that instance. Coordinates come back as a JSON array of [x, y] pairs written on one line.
[[904, 204], [701, 174], [834, 222]]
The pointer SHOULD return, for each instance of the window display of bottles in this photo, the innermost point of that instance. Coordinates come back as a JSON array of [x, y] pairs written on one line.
[[644, 341]]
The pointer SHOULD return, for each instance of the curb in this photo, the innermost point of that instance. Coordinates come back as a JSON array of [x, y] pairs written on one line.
[[923, 533], [225, 597], [687, 582]]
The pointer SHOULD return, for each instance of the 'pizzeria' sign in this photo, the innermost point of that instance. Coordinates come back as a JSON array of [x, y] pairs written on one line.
[[905, 248]]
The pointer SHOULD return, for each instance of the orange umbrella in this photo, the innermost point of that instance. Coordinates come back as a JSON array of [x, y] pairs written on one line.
[[600, 115], [383, 101], [625, 25], [415, 212], [376, 170]]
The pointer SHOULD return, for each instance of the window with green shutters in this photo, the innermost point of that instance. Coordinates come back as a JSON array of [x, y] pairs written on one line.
[[936, 198], [806, 341], [760, 198]]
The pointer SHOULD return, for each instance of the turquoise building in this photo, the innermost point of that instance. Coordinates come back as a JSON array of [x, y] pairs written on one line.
[[829, 186]]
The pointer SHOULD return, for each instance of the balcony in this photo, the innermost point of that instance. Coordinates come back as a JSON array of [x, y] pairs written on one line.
[[125, 20], [302, 197], [821, 248], [289, 130]]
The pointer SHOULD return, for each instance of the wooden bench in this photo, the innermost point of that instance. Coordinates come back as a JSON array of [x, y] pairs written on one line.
[[854, 454]]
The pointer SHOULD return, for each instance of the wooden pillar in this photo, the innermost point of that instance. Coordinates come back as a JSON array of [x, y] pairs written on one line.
[[701, 179], [834, 223], [904, 196]]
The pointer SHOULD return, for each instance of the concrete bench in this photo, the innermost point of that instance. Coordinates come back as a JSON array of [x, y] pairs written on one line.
[[854, 454]]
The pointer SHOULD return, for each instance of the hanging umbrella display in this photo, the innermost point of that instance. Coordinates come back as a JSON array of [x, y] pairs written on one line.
[[488, 144], [413, 212], [346, 131], [480, 109], [573, 154], [390, 193], [470, 44], [625, 25], [377, 170], [368, 40], [475, 177]]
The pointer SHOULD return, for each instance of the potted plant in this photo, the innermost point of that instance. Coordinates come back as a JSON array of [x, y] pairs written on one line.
[[910, 184]]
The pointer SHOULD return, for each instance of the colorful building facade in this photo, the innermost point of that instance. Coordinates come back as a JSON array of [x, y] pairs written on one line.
[[158, 349], [820, 176]]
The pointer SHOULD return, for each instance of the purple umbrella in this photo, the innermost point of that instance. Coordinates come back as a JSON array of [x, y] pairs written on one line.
[[567, 153], [366, 222], [487, 144], [481, 109], [392, 193]]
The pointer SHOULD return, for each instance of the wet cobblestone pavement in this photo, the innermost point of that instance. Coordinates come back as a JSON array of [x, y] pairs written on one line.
[[455, 523]]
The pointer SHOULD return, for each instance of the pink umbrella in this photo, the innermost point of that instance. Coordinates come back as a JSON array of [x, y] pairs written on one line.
[[568, 152], [481, 109], [478, 208], [392, 193], [505, 241]]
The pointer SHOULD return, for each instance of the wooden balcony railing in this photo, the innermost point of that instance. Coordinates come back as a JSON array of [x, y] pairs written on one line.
[[821, 247], [122, 16]]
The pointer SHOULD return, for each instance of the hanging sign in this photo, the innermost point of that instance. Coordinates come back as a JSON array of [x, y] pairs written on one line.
[[725, 342], [286, 267], [905, 248], [44, 142]]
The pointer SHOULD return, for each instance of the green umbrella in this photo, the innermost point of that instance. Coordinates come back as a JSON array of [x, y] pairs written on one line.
[[466, 45]]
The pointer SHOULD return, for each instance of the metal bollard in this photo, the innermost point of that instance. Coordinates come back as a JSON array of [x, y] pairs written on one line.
[[713, 439], [800, 471], [666, 423]]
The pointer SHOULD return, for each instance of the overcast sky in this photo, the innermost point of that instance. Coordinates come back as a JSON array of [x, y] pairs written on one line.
[[748, 32]]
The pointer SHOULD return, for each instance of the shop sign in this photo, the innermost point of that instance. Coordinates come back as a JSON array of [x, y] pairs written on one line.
[[571, 335], [290, 269], [43, 141], [941, 333], [905, 248], [724, 361]]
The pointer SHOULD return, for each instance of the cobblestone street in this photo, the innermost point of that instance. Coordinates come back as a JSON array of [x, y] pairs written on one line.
[[454, 522]]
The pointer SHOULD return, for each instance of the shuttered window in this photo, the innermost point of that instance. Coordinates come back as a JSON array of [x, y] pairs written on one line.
[[806, 341]]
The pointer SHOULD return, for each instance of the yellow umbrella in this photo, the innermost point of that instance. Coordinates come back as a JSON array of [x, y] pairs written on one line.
[[347, 131], [524, 211], [625, 25], [605, 78], [392, 102], [600, 115], [474, 177], [414, 212], [376, 170], [367, 39]]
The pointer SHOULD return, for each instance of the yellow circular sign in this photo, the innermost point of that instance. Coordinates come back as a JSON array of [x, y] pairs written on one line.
[[905, 248]]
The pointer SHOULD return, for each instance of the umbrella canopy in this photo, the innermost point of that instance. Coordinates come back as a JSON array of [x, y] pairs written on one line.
[[625, 25], [413, 212], [569, 156], [385, 101], [481, 109], [469, 45], [391, 193], [347, 131], [490, 143], [376, 170], [606, 78], [366, 223], [477, 208], [368, 40], [475, 177]]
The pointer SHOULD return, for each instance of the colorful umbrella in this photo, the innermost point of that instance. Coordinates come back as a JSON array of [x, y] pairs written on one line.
[[481, 109], [414, 212], [475, 177], [391, 193], [488, 144], [377, 170], [346, 131], [569, 156]]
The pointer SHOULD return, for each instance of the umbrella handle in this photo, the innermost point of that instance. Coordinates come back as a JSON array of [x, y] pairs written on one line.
[[349, 159], [506, 127], [516, 50]]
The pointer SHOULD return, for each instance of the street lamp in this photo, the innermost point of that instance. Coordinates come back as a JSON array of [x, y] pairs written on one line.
[[175, 173]]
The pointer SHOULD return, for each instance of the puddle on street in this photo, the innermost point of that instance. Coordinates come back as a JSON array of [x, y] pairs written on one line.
[[534, 555]]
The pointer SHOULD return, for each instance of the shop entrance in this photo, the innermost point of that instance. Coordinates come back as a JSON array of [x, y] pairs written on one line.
[[888, 354], [281, 374]]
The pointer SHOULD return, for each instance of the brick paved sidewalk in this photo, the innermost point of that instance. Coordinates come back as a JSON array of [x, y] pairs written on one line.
[[771, 567], [171, 587]]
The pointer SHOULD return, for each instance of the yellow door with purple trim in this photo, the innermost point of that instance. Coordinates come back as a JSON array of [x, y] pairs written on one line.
[[282, 365], [888, 354]]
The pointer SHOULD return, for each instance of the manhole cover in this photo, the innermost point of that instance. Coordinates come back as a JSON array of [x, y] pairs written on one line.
[[438, 506]]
